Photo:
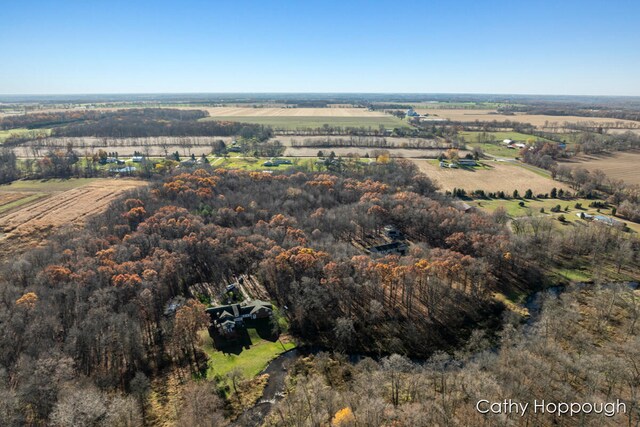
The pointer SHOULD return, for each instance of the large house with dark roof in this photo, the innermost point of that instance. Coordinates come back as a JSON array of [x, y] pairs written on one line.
[[394, 248], [228, 319]]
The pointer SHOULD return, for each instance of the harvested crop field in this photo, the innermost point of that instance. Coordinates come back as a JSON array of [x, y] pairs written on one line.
[[622, 165], [58, 203], [305, 118], [290, 112], [540, 121], [493, 177], [292, 123]]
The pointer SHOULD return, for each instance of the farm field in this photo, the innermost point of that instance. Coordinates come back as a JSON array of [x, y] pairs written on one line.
[[13, 200], [622, 165], [488, 115], [291, 112], [306, 122], [494, 176], [42, 206], [457, 105]]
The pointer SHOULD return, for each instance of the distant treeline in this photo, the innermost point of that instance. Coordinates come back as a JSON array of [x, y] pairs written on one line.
[[132, 123], [367, 142], [389, 106], [56, 119], [134, 127], [44, 120]]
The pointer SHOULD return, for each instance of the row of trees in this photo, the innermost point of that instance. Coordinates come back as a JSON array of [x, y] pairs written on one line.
[[368, 142]]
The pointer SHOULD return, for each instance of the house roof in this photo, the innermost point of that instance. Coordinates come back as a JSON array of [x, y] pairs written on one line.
[[261, 306], [606, 220], [225, 314]]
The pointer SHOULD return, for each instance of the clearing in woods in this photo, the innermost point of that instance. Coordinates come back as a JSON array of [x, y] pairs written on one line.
[[492, 177], [31, 209], [619, 165]]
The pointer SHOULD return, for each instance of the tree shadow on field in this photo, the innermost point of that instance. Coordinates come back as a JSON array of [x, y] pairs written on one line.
[[236, 345]]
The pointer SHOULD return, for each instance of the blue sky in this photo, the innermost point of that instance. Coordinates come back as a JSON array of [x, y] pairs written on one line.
[[535, 47]]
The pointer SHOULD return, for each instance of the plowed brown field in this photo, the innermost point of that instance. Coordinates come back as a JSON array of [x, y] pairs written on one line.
[[28, 224], [624, 165]]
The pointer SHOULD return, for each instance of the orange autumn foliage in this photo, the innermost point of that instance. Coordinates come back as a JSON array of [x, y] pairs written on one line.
[[343, 417], [57, 273], [126, 280], [27, 300]]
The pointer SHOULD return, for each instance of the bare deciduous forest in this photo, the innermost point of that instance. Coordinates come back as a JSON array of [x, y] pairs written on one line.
[[90, 319]]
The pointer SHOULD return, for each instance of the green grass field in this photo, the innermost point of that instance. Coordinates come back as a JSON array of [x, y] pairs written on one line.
[[533, 206], [250, 362], [471, 136], [293, 123], [498, 148], [256, 163]]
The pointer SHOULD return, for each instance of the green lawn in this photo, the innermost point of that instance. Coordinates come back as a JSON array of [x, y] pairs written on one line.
[[534, 205], [471, 136], [47, 185], [292, 122], [497, 148], [251, 362], [256, 163]]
